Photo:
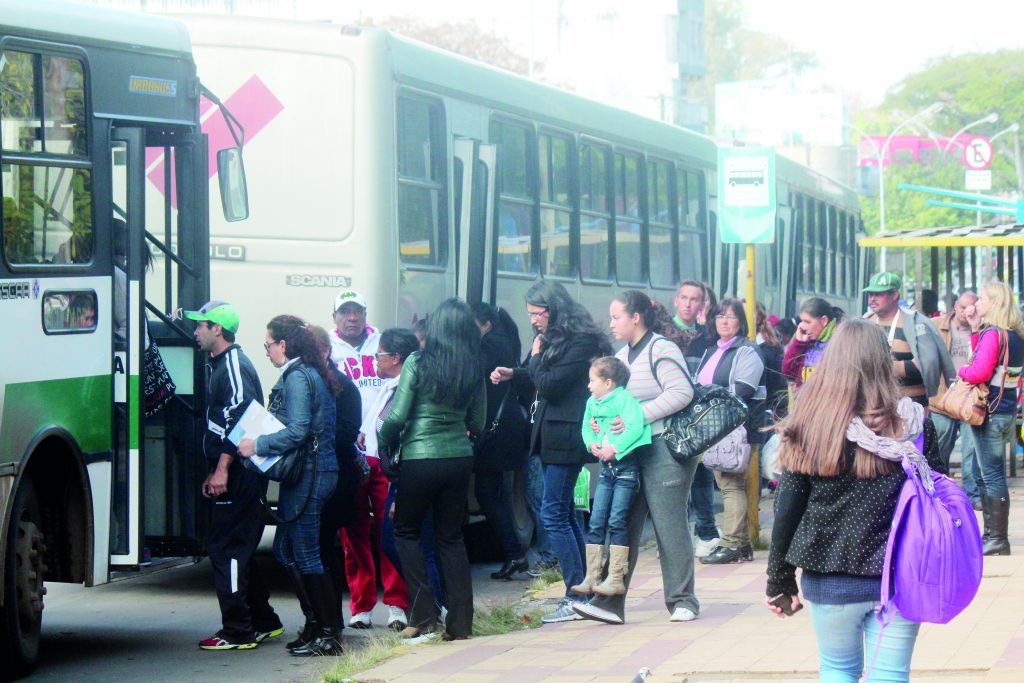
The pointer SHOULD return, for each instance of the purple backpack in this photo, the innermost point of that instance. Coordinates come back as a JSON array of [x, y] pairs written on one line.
[[933, 559]]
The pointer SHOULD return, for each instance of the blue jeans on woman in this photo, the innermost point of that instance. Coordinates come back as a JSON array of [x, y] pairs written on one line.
[[701, 509], [565, 537], [990, 441], [846, 633], [298, 542], [534, 500], [388, 547], [613, 498]]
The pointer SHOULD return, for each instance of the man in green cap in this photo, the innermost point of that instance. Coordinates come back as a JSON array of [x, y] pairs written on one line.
[[236, 522], [919, 355]]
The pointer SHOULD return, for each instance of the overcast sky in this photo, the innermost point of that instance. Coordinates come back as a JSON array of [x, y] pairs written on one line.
[[864, 46]]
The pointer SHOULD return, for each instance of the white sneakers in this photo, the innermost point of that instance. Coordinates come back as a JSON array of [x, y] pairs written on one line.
[[682, 614], [361, 621], [396, 618], [705, 548]]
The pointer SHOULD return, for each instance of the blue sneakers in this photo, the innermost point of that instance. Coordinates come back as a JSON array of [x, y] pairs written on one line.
[[563, 613]]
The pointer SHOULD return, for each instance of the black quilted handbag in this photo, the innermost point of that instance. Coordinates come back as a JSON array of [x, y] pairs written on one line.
[[710, 416], [713, 413]]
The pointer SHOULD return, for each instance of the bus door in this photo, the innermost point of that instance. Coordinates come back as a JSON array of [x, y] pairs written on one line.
[[474, 219], [159, 201]]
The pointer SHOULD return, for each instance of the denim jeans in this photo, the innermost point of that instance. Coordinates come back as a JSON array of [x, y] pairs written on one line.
[[968, 456], [846, 633], [565, 537], [534, 499], [616, 490], [664, 487], [298, 542], [701, 510], [947, 430], [389, 548], [990, 441]]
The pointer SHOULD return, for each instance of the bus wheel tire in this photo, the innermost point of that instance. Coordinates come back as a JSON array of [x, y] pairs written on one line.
[[23, 586]]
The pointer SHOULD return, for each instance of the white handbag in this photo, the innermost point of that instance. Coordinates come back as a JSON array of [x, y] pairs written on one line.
[[731, 454]]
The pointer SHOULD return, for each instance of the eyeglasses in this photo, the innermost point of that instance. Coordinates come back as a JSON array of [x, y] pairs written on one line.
[[726, 317], [538, 314], [382, 354], [267, 345]]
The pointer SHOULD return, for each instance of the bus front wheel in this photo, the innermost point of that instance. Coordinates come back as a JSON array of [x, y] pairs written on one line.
[[23, 585]]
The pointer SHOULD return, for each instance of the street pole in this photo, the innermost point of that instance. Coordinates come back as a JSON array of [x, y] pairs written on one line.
[[754, 469]]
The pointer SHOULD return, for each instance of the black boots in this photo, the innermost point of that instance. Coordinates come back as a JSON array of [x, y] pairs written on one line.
[[996, 513], [509, 568], [326, 635], [311, 627]]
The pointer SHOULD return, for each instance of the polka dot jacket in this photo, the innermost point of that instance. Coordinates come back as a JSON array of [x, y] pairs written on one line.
[[835, 525]]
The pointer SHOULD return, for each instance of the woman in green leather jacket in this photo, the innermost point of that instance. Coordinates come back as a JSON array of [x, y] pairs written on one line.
[[440, 397]]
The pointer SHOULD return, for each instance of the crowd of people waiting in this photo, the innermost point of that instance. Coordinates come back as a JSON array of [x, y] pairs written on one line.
[[398, 422]]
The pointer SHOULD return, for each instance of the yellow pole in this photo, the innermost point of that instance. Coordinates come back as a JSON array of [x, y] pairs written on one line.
[[754, 470]]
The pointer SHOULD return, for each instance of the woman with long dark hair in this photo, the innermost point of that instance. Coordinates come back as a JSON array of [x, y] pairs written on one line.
[[303, 400], [440, 396], [559, 371], [658, 380], [835, 504], [503, 449]]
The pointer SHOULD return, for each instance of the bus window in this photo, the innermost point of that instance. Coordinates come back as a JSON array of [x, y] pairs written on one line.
[[595, 214], [555, 206], [692, 244], [47, 205], [841, 247], [422, 198], [810, 223], [516, 197], [821, 246], [629, 220], [661, 249]]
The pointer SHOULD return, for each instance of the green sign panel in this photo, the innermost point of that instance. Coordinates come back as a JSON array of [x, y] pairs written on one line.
[[746, 194]]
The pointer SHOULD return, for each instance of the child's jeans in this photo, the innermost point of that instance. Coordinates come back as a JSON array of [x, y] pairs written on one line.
[[618, 486], [848, 642]]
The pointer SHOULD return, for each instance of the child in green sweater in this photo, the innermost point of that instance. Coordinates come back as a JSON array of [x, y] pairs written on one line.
[[620, 475]]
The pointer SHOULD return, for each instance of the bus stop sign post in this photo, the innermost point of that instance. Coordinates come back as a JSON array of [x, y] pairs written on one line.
[[746, 215]]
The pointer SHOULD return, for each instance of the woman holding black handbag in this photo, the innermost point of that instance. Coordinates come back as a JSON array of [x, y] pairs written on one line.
[[503, 445], [303, 400]]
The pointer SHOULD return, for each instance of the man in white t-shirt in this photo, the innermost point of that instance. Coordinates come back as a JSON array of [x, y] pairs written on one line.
[[354, 347]]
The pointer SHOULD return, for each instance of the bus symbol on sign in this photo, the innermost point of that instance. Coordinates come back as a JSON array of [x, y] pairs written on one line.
[[978, 153], [754, 178]]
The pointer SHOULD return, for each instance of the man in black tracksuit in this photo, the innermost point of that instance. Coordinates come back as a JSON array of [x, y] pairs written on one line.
[[236, 524]]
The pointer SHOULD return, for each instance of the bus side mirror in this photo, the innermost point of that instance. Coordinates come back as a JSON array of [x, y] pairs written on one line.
[[234, 195]]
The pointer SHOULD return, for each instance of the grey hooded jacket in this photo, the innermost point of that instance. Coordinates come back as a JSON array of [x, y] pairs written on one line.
[[928, 347]]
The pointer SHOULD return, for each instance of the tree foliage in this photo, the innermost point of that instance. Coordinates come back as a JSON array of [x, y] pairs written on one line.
[[464, 38], [969, 87], [737, 53]]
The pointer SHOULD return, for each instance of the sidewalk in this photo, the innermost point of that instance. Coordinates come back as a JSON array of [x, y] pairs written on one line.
[[734, 639]]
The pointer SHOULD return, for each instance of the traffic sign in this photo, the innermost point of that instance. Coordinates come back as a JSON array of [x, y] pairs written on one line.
[[978, 180], [746, 190], [978, 153]]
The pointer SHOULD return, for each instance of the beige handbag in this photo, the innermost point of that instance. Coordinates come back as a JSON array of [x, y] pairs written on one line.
[[970, 402]]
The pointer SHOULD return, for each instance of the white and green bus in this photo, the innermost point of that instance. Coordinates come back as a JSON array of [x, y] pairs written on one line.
[[102, 160]]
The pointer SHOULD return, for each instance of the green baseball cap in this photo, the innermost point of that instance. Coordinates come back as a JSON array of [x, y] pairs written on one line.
[[217, 312], [884, 282]]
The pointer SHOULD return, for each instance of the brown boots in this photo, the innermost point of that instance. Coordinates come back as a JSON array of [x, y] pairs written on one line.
[[618, 563], [595, 565]]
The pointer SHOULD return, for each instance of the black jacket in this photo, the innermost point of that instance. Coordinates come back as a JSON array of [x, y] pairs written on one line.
[[562, 394], [231, 383], [506, 450], [340, 509], [836, 525]]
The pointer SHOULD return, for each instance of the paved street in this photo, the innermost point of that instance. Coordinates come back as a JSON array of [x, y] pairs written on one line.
[[735, 638], [146, 629]]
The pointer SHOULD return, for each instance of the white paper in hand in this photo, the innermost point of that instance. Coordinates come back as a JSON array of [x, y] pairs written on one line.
[[256, 421]]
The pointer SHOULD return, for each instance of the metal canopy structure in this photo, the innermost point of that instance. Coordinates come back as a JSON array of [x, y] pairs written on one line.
[[993, 235]]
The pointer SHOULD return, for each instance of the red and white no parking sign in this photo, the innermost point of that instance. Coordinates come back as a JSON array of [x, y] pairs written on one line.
[[978, 153]]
